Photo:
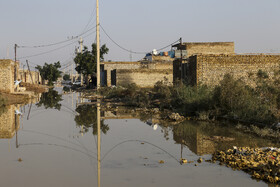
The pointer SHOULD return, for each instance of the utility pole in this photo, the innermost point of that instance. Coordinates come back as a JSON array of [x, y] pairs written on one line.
[[98, 44], [81, 50], [15, 68], [181, 45], [29, 71], [98, 144]]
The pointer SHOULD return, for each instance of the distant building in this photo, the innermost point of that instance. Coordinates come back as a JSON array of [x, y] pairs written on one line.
[[207, 63], [143, 73]]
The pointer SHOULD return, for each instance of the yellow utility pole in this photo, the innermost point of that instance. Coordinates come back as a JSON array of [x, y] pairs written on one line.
[[98, 144], [97, 44]]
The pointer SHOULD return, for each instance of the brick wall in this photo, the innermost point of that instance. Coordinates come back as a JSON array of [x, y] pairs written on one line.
[[209, 48], [210, 69], [7, 69], [112, 67], [143, 77]]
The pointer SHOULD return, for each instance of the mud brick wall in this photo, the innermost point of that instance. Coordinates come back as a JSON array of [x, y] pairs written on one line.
[[210, 69], [144, 78], [216, 48], [7, 69]]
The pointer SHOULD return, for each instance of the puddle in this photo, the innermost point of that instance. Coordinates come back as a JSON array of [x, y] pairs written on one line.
[[55, 143]]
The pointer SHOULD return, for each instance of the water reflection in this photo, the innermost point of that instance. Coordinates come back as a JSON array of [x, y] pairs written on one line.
[[50, 99], [87, 119], [9, 122], [204, 138], [131, 150]]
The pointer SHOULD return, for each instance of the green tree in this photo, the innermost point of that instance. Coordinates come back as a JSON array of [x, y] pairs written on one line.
[[66, 77], [50, 99], [87, 60], [50, 72]]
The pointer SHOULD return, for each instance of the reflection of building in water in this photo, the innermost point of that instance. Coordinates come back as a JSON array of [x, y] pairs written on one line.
[[9, 123], [192, 137], [119, 114]]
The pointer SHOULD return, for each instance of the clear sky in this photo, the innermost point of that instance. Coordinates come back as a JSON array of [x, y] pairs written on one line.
[[137, 25]]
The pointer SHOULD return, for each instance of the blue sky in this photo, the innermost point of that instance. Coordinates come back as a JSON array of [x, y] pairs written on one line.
[[138, 25]]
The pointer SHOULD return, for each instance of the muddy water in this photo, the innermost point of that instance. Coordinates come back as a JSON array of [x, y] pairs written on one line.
[[54, 143]]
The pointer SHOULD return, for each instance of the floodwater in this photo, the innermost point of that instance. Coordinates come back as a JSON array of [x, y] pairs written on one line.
[[55, 143]]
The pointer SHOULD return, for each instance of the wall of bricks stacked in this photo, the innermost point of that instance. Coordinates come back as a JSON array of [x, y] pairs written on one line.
[[210, 69], [7, 69], [143, 77], [216, 48]]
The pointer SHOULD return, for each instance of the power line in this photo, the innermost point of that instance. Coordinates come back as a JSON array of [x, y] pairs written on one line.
[[120, 45], [57, 43], [130, 51], [90, 19], [54, 49]]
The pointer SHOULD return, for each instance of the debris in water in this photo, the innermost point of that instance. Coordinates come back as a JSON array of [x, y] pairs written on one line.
[[20, 160], [161, 162], [183, 161], [260, 163], [199, 160]]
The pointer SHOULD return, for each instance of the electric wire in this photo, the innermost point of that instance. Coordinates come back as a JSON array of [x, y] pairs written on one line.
[[43, 53], [130, 51], [57, 43]]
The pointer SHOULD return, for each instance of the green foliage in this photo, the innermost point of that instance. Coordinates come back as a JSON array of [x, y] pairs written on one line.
[[235, 99], [50, 99], [232, 98], [66, 89], [66, 77], [192, 100], [50, 72], [87, 60], [87, 118]]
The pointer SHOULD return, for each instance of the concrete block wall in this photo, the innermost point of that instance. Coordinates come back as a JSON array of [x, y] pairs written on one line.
[[210, 69], [143, 77]]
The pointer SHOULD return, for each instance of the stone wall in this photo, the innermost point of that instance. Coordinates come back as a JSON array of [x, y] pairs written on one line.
[[143, 77], [210, 69], [7, 75], [209, 48]]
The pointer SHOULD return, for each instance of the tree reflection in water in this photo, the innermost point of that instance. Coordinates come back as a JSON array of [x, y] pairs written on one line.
[[87, 118], [50, 99]]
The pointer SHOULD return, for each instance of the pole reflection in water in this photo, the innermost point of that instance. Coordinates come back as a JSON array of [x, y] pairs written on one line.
[[98, 143]]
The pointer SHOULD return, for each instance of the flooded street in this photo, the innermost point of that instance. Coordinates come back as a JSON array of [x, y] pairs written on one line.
[[54, 143]]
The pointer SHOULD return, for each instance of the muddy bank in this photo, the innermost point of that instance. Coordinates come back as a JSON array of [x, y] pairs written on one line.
[[26, 93]]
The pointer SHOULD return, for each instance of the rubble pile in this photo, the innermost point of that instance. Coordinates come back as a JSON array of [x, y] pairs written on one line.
[[260, 163]]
